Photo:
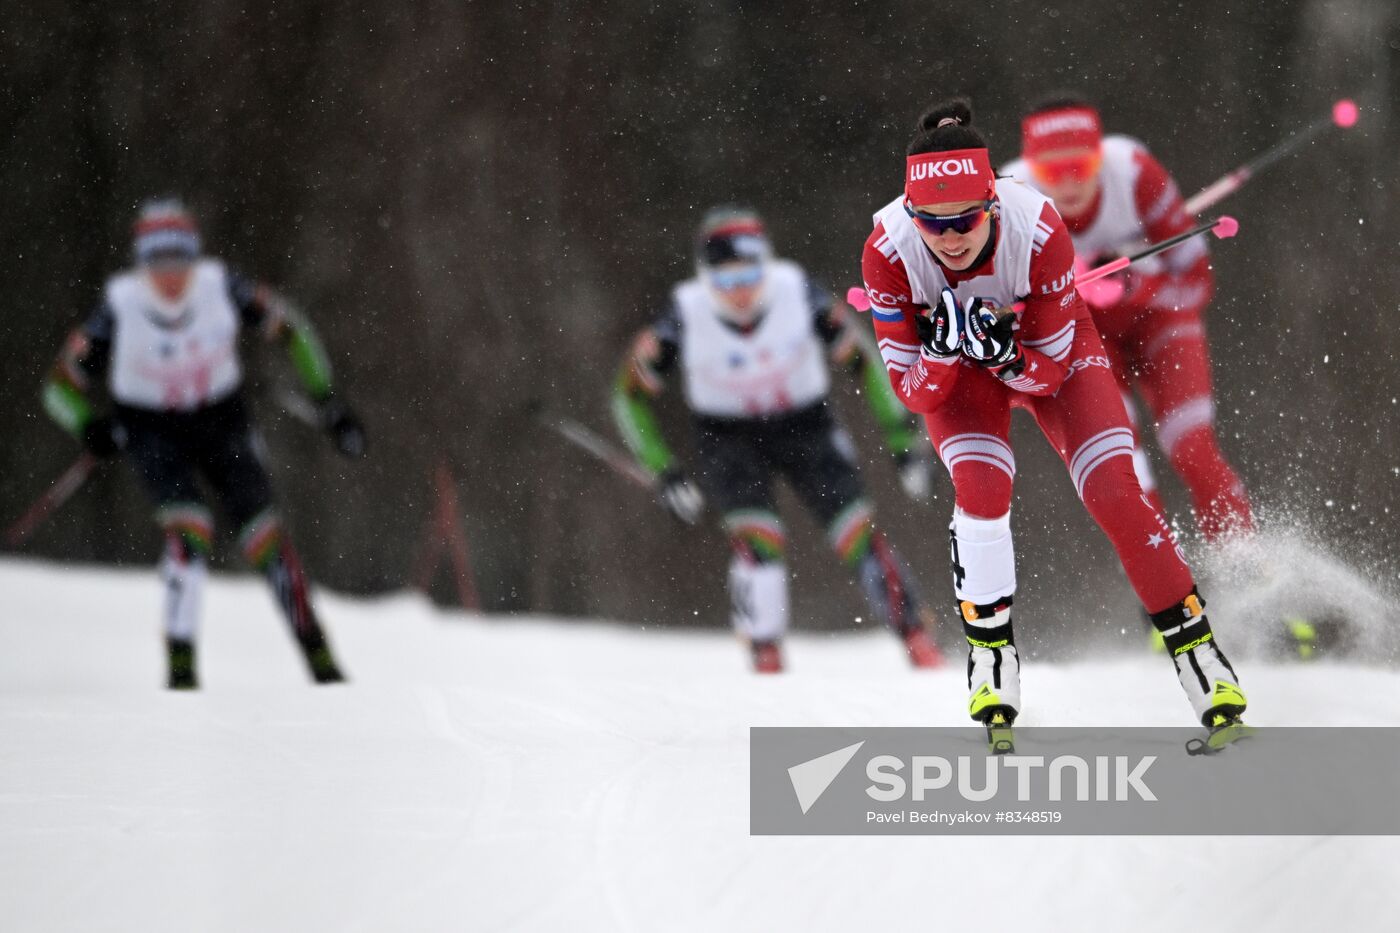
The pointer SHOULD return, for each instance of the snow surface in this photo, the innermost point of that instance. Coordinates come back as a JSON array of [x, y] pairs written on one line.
[[536, 774]]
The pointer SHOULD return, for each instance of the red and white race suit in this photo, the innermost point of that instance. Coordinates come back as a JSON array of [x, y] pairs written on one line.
[[1153, 331], [1066, 384]]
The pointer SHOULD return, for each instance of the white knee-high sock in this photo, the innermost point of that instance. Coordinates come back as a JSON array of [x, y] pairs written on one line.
[[758, 596], [984, 562], [184, 578]]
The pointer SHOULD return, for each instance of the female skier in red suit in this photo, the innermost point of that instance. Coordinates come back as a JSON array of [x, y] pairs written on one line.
[[943, 268]]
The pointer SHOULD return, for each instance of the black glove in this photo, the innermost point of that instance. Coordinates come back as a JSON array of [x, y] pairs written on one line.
[[680, 496], [940, 331], [991, 341], [104, 437], [343, 427]]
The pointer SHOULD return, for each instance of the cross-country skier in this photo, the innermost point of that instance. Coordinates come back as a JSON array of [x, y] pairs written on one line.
[[1114, 198], [945, 264], [750, 336], [164, 338]]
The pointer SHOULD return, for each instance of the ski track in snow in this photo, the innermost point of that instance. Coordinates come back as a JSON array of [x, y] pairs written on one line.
[[528, 774]]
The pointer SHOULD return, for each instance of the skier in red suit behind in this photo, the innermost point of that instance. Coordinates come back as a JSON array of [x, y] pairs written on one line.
[[1115, 198]]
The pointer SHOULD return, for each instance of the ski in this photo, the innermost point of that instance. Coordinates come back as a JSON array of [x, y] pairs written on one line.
[[182, 664], [1221, 737], [1000, 738]]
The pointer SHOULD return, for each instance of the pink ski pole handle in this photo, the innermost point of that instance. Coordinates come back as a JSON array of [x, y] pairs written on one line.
[[1223, 227], [1345, 113]]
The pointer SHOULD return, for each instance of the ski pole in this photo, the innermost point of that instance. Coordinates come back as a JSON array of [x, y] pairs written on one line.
[[598, 448], [1344, 115], [68, 482], [1223, 227]]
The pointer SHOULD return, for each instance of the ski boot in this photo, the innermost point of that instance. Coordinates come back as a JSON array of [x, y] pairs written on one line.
[[767, 657], [180, 655], [320, 662], [1307, 638], [1223, 720], [322, 665], [986, 708], [1204, 673], [1304, 635], [993, 671]]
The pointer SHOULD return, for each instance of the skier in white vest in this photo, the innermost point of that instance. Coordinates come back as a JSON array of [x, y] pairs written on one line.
[[164, 338], [751, 337]]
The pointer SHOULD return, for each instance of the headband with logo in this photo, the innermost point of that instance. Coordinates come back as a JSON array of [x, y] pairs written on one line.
[[738, 241], [165, 234], [1065, 128], [949, 177]]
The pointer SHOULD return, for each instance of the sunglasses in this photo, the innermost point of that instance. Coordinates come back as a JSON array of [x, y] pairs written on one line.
[[1070, 168], [168, 262], [938, 224], [745, 276]]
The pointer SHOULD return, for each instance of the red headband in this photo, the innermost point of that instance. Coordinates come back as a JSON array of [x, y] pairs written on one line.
[[948, 177], [736, 228], [180, 222], [1066, 128]]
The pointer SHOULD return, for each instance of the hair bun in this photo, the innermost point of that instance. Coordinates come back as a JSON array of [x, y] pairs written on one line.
[[955, 112]]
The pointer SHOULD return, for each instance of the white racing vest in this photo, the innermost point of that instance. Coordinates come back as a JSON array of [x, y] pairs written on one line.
[[1020, 235], [780, 366], [1116, 228], [173, 363]]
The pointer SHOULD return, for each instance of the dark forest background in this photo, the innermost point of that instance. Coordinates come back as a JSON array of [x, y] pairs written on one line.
[[478, 203]]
